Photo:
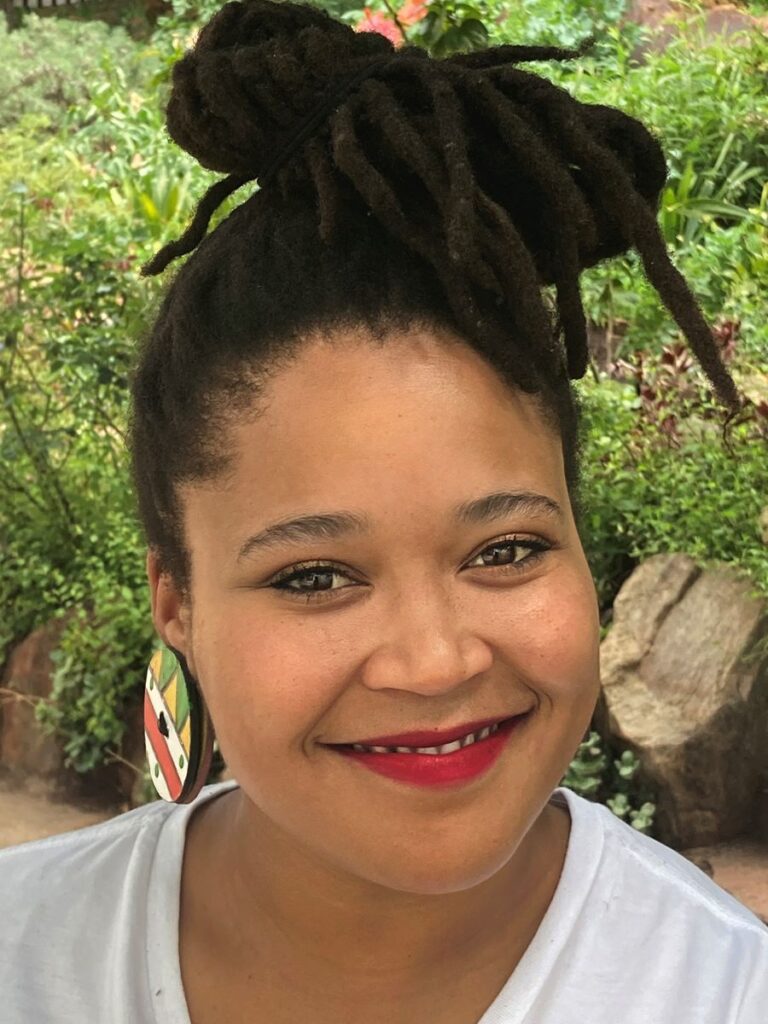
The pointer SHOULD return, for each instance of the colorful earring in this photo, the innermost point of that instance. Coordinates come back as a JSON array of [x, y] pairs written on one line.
[[178, 733]]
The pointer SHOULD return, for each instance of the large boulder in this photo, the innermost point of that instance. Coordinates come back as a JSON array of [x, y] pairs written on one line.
[[29, 755], [685, 685], [26, 679]]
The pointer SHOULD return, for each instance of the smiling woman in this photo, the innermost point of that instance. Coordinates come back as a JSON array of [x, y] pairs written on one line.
[[355, 448]]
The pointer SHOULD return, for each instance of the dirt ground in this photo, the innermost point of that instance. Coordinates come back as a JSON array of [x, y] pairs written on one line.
[[30, 814], [741, 868]]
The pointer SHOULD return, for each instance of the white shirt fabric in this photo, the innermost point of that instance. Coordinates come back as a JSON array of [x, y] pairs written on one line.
[[634, 934]]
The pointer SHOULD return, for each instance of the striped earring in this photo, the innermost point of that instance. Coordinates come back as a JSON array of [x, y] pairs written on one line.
[[178, 733]]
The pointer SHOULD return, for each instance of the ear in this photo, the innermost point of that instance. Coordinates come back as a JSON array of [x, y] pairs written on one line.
[[170, 614]]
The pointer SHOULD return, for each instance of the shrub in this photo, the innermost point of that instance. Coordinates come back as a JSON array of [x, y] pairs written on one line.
[[606, 779], [659, 476], [51, 64]]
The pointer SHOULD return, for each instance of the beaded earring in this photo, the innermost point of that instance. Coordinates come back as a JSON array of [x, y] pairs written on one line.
[[178, 733]]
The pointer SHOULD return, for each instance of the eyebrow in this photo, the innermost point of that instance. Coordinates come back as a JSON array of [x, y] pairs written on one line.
[[332, 525]]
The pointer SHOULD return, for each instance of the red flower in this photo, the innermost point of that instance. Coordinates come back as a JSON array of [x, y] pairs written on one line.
[[372, 21], [412, 11]]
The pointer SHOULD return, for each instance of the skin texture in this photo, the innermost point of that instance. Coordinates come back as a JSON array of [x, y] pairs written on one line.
[[318, 887]]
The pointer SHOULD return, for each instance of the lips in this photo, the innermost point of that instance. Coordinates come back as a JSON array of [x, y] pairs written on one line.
[[431, 738]]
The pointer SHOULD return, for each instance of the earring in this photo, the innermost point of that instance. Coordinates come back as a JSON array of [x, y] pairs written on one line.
[[178, 733]]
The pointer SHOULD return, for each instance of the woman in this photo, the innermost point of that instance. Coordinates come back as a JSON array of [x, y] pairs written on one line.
[[355, 449]]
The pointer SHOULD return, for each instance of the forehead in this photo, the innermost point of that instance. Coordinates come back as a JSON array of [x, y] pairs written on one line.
[[351, 419]]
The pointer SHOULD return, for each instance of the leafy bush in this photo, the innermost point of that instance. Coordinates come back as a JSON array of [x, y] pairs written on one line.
[[658, 475], [547, 23], [100, 663], [714, 213], [51, 64], [603, 778], [694, 94], [727, 270]]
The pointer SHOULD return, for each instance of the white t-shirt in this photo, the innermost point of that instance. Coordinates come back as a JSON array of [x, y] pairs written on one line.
[[635, 934]]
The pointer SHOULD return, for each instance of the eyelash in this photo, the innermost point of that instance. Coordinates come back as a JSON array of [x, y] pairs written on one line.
[[304, 569]]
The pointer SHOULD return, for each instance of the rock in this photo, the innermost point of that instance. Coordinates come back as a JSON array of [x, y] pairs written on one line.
[[29, 755], [24, 747], [686, 688]]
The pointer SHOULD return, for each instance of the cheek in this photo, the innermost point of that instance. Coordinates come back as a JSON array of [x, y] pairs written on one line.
[[551, 639], [266, 685]]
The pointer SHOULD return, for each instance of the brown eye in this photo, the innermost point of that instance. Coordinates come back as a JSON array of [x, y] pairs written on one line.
[[313, 581], [503, 554]]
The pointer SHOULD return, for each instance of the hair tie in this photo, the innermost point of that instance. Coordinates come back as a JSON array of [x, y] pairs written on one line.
[[305, 128], [219, 191]]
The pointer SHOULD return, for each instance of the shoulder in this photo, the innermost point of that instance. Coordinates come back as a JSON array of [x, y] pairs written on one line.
[[80, 909], [660, 907], [669, 872], [67, 859], [69, 905], [636, 933]]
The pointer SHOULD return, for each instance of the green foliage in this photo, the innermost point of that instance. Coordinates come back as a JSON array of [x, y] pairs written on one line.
[[697, 199], [707, 102], [453, 26], [450, 26], [542, 23], [660, 477], [70, 308], [694, 95], [51, 64], [726, 268], [100, 664], [602, 778]]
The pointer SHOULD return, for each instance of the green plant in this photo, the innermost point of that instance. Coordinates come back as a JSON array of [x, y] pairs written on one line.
[[697, 198], [51, 64], [659, 476], [544, 22], [99, 668], [694, 93], [595, 775], [727, 269]]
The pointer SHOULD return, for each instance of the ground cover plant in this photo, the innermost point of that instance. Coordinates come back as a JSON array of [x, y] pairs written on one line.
[[105, 190]]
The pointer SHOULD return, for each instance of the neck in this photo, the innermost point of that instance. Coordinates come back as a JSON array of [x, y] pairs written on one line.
[[280, 904]]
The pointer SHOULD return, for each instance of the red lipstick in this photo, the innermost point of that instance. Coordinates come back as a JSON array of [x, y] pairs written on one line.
[[438, 769], [430, 738]]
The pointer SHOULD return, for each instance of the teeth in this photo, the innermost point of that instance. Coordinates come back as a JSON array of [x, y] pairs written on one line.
[[446, 748]]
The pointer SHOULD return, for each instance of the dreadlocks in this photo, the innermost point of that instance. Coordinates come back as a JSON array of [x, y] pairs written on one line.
[[462, 192]]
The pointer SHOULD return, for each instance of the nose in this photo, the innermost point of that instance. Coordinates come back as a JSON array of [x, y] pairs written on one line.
[[426, 646]]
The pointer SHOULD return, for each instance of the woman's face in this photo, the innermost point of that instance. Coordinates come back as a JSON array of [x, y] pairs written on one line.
[[418, 620]]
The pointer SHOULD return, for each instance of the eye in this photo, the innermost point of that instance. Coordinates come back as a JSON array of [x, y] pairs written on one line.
[[312, 581], [502, 554]]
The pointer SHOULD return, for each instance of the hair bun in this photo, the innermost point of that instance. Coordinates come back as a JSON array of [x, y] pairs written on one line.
[[257, 67]]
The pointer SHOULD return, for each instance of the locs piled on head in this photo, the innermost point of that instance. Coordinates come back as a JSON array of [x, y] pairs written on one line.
[[395, 189]]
